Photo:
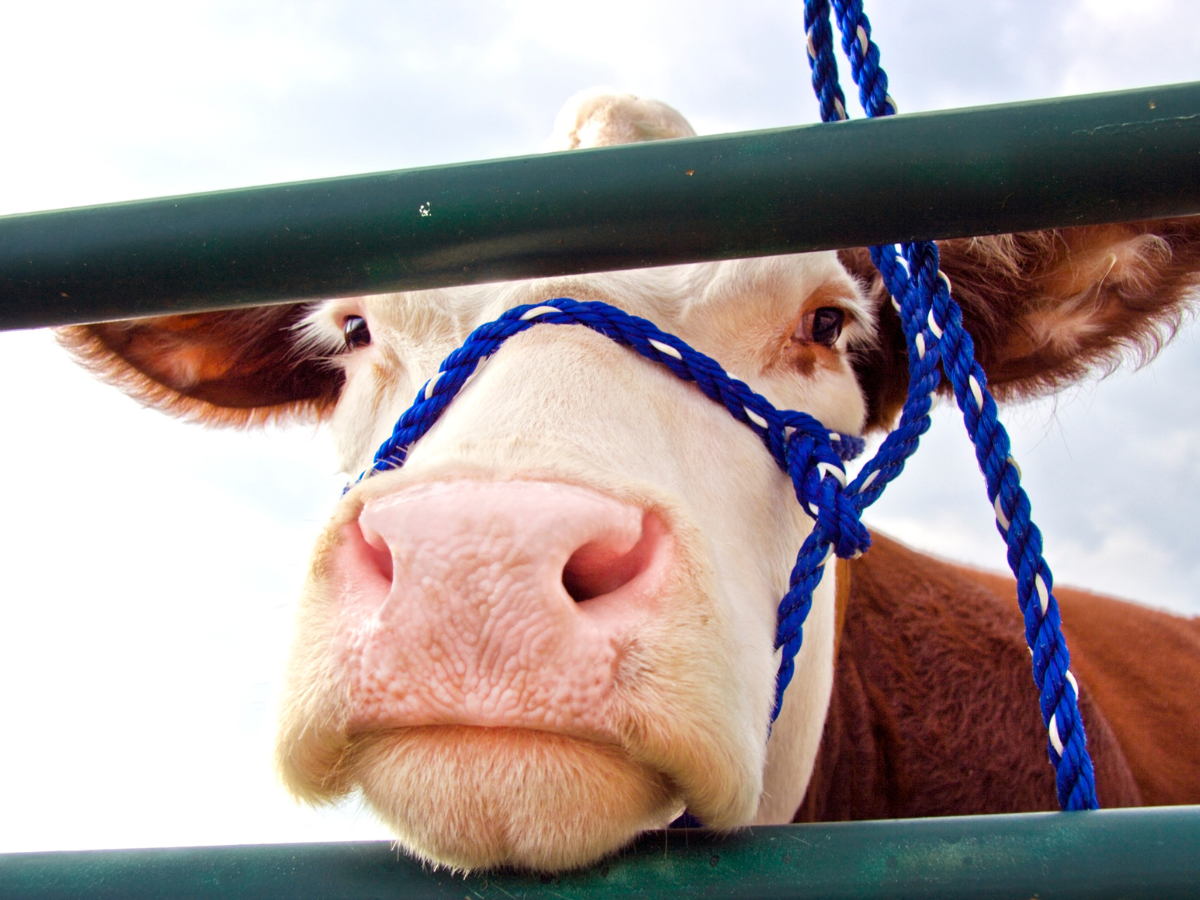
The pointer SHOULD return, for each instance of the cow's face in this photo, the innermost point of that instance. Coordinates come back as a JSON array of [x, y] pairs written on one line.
[[554, 627]]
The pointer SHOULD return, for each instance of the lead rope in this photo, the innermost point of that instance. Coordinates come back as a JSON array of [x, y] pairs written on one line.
[[933, 329]]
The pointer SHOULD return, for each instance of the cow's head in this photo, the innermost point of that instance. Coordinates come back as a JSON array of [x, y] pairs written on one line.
[[553, 628]]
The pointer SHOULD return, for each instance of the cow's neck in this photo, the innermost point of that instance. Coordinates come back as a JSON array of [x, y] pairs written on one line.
[[796, 735], [843, 574]]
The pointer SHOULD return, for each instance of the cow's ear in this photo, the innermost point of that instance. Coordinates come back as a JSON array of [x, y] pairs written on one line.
[[238, 367], [1045, 308]]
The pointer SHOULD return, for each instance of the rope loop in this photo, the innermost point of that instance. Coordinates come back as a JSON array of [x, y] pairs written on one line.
[[776, 428]]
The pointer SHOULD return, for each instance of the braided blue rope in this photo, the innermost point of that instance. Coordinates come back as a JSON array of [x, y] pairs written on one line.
[[822, 61], [933, 330]]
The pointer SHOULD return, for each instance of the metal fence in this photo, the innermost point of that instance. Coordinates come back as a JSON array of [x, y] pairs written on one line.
[[1086, 160], [1076, 161], [1152, 854]]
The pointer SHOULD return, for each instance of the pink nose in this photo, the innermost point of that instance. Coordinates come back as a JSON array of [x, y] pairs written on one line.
[[511, 604]]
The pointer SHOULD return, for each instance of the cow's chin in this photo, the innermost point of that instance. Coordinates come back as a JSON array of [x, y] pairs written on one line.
[[478, 798]]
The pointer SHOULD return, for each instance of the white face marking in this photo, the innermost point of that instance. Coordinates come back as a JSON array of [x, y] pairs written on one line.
[[562, 405], [740, 312]]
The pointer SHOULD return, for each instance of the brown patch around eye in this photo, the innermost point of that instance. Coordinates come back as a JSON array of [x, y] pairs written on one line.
[[805, 358], [814, 333]]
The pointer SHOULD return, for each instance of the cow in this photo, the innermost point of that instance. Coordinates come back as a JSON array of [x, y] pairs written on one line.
[[553, 627]]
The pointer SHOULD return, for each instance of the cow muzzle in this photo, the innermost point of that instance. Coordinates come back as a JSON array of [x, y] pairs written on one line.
[[495, 604], [494, 671]]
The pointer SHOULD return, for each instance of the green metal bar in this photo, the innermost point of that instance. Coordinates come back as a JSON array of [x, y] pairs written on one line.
[[1082, 160], [1143, 853]]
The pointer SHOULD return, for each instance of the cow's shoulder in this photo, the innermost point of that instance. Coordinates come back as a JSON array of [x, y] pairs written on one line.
[[934, 711], [1143, 668]]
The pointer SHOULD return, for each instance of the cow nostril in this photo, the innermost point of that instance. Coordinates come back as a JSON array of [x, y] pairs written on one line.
[[608, 563], [377, 551]]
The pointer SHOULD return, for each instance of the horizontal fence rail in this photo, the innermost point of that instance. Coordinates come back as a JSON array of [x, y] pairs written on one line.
[[1082, 160], [1146, 853]]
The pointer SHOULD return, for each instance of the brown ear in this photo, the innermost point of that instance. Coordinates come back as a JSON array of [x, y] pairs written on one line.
[[239, 367], [1045, 308]]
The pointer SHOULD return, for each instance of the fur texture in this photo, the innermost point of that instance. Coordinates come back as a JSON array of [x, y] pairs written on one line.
[[1045, 308], [598, 118], [567, 406], [238, 367], [933, 710], [1141, 668]]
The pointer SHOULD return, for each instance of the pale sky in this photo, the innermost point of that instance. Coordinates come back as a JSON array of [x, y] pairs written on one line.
[[150, 568]]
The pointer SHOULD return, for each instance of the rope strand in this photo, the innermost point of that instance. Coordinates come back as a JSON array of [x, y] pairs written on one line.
[[933, 328]]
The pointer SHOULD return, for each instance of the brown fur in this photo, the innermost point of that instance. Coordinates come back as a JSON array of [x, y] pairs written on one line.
[[1143, 668], [1045, 307], [235, 367], [934, 711]]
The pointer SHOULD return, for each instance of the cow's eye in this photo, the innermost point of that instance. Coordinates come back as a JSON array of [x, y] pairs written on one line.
[[823, 326], [355, 332]]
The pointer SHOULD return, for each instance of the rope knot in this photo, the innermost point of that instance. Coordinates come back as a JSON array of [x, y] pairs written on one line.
[[839, 521], [820, 484]]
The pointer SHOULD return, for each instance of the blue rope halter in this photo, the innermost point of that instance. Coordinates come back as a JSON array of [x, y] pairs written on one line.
[[811, 454]]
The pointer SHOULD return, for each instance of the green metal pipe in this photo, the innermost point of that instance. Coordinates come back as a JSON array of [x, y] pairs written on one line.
[[1142, 853], [1081, 160]]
